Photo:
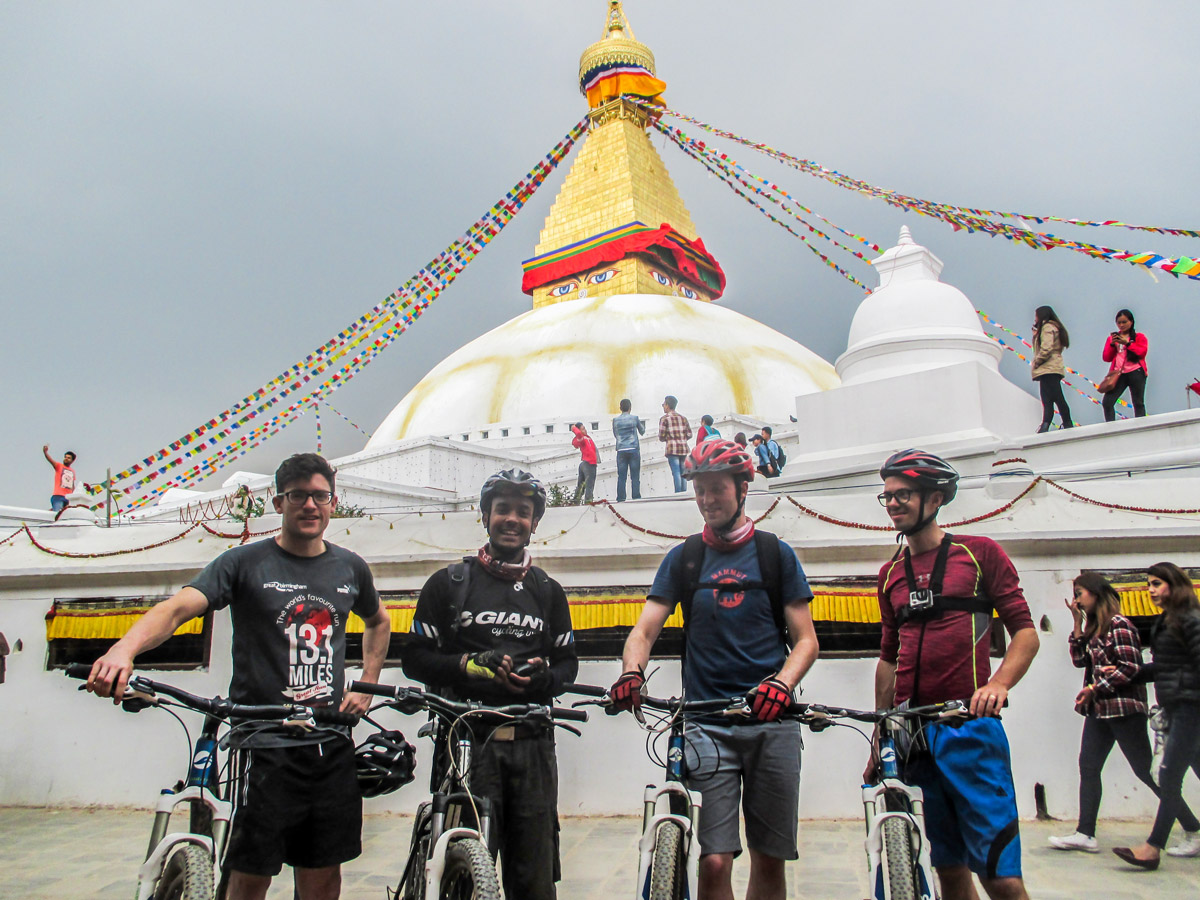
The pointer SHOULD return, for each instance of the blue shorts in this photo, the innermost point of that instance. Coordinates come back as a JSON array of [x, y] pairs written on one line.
[[970, 801]]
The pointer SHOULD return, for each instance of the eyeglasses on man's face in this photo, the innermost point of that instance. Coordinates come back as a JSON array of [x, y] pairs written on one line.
[[299, 498], [901, 496]]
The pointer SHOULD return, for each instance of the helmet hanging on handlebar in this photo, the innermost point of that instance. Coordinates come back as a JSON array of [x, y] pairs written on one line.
[[385, 761]]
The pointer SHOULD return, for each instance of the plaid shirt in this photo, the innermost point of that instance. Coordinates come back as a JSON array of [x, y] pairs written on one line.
[[1113, 694], [675, 432]]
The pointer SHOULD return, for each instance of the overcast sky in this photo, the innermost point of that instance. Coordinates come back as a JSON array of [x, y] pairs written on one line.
[[195, 195]]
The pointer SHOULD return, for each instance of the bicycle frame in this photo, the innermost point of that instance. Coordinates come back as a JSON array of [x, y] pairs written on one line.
[[200, 791], [893, 798], [670, 802]]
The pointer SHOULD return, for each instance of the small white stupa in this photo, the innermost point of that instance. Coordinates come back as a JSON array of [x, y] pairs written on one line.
[[917, 368]]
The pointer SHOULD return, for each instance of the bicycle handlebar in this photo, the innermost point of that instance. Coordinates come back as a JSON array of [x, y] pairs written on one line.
[[411, 699], [732, 706], [146, 691]]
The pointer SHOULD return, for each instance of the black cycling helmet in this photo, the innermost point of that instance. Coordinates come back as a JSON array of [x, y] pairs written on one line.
[[517, 482], [929, 472], [385, 761]]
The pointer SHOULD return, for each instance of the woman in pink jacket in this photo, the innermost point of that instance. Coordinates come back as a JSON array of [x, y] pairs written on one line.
[[1126, 350]]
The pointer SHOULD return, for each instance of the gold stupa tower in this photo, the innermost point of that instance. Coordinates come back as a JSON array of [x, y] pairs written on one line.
[[619, 179]]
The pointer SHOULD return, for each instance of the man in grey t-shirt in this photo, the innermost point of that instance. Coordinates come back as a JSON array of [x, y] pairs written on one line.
[[290, 599]]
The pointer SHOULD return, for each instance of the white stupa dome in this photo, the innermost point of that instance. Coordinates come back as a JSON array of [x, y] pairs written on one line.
[[913, 321], [579, 358]]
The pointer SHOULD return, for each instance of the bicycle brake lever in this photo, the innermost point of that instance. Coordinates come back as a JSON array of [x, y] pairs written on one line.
[[571, 728]]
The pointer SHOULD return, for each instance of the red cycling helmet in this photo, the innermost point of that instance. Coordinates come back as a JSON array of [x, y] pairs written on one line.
[[929, 472], [719, 455]]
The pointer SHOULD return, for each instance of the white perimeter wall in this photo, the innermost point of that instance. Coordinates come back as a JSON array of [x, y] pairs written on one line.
[[59, 747]]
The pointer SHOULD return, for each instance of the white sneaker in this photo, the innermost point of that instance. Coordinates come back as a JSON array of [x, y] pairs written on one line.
[[1189, 846], [1078, 841]]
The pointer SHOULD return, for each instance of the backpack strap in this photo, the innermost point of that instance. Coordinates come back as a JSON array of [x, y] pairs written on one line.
[[692, 558], [460, 581], [979, 603], [541, 592], [770, 567]]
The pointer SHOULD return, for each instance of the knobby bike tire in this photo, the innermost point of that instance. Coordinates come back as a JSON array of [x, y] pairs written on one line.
[[666, 862], [187, 875], [470, 873], [898, 859]]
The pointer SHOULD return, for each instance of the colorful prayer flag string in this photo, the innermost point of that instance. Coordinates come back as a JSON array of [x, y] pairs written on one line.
[[721, 166], [971, 219], [354, 347]]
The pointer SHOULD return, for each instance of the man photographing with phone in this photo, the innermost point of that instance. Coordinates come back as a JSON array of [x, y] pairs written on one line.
[[495, 628]]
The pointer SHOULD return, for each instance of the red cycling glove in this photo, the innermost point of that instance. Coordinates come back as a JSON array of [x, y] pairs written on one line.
[[769, 700], [626, 692]]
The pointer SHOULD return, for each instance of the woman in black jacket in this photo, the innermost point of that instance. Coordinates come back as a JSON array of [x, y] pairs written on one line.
[[1176, 676]]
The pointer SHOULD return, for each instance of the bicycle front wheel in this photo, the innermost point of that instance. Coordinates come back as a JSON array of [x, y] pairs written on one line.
[[898, 859], [188, 875], [666, 863], [469, 873]]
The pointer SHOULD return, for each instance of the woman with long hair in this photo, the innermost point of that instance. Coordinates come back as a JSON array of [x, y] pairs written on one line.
[[1105, 645], [1126, 350], [1176, 676], [1049, 340]]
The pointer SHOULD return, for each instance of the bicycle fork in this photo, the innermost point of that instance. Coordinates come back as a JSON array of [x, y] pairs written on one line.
[[880, 802]]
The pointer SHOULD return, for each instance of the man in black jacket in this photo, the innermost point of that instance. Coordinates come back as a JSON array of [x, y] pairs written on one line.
[[497, 629]]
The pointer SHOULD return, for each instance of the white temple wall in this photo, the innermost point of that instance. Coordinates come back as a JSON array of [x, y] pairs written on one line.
[[61, 748]]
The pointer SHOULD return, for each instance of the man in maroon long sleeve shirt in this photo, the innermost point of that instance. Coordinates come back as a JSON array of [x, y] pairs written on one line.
[[936, 599]]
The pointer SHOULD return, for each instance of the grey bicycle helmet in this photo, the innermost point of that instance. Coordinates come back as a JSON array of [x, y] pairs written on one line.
[[384, 762], [517, 482]]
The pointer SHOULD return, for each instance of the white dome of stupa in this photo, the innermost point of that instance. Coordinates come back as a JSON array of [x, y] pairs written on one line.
[[913, 321], [578, 359]]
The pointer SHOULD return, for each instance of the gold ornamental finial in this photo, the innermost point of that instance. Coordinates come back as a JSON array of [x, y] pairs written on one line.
[[617, 23], [618, 46]]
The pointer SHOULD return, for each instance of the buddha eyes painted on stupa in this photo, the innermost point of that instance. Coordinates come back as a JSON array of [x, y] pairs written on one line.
[[561, 290], [601, 277]]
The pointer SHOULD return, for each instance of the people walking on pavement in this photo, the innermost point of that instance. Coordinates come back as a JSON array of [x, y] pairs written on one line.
[[1175, 671], [1106, 646]]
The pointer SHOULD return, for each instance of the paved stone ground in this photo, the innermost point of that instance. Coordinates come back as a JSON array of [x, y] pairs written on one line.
[[55, 853]]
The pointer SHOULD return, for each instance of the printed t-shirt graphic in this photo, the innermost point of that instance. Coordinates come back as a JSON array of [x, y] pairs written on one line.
[[289, 619], [732, 639]]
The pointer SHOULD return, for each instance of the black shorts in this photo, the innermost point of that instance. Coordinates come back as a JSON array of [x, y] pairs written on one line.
[[296, 805]]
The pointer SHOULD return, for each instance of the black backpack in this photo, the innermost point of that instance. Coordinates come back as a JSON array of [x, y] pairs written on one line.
[[460, 581], [780, 457], [769, 549]]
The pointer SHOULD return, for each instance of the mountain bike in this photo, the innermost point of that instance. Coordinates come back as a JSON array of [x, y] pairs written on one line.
[[185, 865], [669, 853], [452, 853], [894, 810]]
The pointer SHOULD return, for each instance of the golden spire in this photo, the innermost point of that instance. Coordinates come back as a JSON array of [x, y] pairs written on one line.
[[617, 179]]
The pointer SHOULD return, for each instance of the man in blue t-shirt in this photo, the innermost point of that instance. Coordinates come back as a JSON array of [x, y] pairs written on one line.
[[735, 647]]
